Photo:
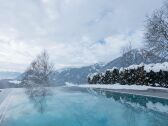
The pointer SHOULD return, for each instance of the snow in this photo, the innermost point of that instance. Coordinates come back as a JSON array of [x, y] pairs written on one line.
[[14, 81], [112, 69], [148, 67], [156, 67], [132, 67], [69, 84], [117, 86], [92, 75]]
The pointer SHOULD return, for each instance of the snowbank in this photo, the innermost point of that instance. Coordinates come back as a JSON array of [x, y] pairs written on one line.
[[118, 86], [69, 84]]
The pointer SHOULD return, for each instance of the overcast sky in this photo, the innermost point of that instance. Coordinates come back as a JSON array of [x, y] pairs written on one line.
[[74, 32]]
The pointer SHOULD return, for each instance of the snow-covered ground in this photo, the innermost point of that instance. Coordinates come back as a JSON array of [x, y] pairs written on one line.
[[116, 86], [14, 81]]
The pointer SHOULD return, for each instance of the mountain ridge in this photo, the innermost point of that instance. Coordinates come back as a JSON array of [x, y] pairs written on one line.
[[79, 75]]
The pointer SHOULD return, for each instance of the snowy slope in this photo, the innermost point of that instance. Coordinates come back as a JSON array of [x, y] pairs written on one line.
[[138, 58], [74, 75], [79, 75]]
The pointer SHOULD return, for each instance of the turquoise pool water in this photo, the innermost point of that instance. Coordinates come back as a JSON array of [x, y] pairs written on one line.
[[66, 107]]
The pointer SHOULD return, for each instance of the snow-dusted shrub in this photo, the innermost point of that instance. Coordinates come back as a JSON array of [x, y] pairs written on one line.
[[95, 78], [109, 77], [151, 75]]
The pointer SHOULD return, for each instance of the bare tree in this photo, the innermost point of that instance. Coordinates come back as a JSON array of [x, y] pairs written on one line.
[[37, 78], [156, 36]]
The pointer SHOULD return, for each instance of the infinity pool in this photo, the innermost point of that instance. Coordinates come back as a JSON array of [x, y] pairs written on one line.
[[67, 107]]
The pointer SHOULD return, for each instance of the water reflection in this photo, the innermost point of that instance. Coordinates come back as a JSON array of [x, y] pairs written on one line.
[[135, 105], [39, 96], [131, 98], [156, 119], [129, 115]]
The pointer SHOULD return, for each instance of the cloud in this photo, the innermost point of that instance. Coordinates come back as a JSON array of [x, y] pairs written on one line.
[[87, 51], [75, 32]]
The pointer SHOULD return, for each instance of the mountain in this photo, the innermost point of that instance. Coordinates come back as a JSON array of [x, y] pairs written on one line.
[[74, 75], [138, 56], [9, 75], [6, 77], [79, 75]]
